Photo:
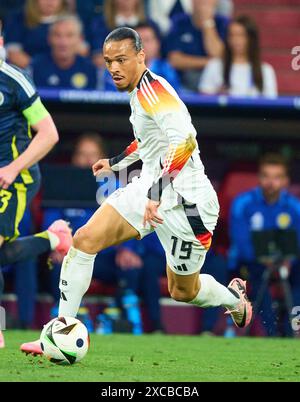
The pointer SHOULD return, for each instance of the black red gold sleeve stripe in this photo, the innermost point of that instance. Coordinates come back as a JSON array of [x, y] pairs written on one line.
[[128, 151], [175, 160]]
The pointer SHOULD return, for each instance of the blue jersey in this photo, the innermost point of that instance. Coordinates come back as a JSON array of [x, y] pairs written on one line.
[[81, 75], [250, 212], [17, 96], [185, 37]]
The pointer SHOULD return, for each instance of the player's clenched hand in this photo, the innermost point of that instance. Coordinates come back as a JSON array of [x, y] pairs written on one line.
[[8, 175], [151, 214], [100, 166]]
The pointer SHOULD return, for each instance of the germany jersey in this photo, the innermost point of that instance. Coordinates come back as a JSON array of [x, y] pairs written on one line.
[[165, 141]]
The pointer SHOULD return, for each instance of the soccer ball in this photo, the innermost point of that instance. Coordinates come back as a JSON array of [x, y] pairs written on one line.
[[64, 340]]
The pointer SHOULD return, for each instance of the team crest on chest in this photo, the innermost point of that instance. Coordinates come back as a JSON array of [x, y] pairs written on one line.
[[283, 220], [79, 80]]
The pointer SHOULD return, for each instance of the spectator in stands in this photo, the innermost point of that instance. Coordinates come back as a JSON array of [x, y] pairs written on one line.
[[194, 39], [162, 12], [26, 31], [63, 67], [116, 13], [240, 72], [267, 207], [154, 62]]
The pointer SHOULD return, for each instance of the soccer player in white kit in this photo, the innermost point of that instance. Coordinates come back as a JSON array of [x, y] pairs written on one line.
[[172, 196]]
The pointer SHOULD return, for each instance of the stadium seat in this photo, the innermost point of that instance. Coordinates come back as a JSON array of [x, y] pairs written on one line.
[[281, 61], [236, 182], [295, 190], [163, 282], [289, 82], [36, 210], [266, 3], [287, 18], [285, 41], [98, 288]]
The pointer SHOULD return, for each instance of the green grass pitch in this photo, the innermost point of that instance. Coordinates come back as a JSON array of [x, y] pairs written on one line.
[[159, 358]]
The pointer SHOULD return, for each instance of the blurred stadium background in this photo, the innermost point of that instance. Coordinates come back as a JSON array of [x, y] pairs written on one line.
[[237, 123]]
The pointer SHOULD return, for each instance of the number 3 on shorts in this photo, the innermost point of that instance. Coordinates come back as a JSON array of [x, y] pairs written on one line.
[[5, 196]]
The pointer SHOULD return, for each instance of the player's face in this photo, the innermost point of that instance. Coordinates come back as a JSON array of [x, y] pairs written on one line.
[[150, 43], [273, 179], [64, 39], [124, 64], [237, 39]]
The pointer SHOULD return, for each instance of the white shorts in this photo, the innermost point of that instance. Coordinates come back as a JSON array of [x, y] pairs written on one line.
[[186, 232]]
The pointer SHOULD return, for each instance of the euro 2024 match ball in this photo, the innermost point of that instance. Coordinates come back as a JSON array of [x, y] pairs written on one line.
[[64, 340]]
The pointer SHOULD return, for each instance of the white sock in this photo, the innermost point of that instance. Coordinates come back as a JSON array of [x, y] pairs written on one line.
[[213, 294], [75, 278]]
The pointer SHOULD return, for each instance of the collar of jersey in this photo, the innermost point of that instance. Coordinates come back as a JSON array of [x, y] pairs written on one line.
[[143, 75], [139, 83]]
